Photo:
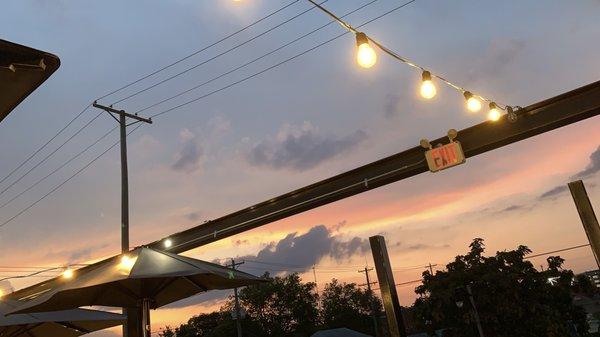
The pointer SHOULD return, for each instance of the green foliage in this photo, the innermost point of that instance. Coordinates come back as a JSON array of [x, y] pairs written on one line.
[[583, 285], [282, 307], [347, 305], [512, 297]]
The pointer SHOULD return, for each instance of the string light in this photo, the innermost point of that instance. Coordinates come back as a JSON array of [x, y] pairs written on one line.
[[494, 114], [473, 104], [365, 55], [68, 273], [127, 262], [428, 90]]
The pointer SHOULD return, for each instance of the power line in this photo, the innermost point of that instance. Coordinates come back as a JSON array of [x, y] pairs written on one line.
[[50, 154], [557, 251], [216, 56], [64, 182], [197, 51], [278, 64], [29, 275], [202, 97], [45, 144], [135, 82], [396, 56], [58, 168], [252, 61]]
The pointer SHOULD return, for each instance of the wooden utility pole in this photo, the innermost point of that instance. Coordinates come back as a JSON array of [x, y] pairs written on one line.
[[238, 318], [131, 326], [393, 311], [370, 292], [587, 215]]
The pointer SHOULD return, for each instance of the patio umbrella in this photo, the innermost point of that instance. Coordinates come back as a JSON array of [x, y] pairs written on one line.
[[144, 278], [67, 323]]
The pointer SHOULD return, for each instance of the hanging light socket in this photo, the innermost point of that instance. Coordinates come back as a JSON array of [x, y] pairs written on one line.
[[361, 38]]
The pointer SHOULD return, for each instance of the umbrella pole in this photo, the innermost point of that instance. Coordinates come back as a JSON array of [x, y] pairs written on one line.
[[145, 322]]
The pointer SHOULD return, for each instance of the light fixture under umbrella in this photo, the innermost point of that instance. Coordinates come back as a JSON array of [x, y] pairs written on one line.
[[143, 278]]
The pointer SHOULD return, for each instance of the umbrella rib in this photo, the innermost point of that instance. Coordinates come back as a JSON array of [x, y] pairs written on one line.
[[126, 291], [26, 329], [162, 287], [74, 327], [201, 287], [176, 257], [18, 331]]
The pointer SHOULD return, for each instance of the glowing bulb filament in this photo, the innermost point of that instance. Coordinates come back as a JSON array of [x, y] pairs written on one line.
[[494, 114], [428, 90], [127, 262], [473, 104], [365, 56], [68, 273]]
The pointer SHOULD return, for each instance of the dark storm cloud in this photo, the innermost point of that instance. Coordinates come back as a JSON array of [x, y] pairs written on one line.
[[304, 251], [553, 193], [418, 246], [592, 168], [188, 159], [301, 148], [500, 54], [515, 208], [76, 255], [294, 253], [193, 216]]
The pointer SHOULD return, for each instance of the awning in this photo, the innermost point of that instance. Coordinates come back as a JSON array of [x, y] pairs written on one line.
[[22, 70]]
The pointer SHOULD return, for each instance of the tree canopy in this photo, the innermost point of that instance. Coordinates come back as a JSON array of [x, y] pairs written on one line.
[[510, 295], [287, 307]]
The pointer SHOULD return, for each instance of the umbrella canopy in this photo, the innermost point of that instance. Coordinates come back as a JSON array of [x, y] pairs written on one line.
[[68, 323], [22, 70], [124, 280]]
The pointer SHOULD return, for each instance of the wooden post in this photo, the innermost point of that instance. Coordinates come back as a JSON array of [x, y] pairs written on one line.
[[393, 311], [587, 215]]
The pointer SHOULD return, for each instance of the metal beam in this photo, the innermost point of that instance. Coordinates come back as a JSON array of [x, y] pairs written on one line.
[[538, 118]]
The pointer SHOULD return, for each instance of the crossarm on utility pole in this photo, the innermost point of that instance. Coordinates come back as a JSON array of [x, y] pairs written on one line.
[[122, 112]]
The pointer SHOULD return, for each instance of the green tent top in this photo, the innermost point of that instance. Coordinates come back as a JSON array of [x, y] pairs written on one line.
[[22, 70]]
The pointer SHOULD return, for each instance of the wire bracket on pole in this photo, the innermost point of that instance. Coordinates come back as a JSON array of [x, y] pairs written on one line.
[[112, 111]]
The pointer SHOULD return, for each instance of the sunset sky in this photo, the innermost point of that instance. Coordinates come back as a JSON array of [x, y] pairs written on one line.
[[303, 121]]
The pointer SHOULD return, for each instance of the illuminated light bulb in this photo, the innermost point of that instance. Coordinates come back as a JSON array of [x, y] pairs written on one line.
[[127, 262], [168, 243], [365, 56], [428, 90], [494, 114], [473, 104], [1, 293], [68, 273]]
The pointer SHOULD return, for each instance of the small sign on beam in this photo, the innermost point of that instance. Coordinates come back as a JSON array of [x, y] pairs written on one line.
[[442, 157], [445, 156]]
